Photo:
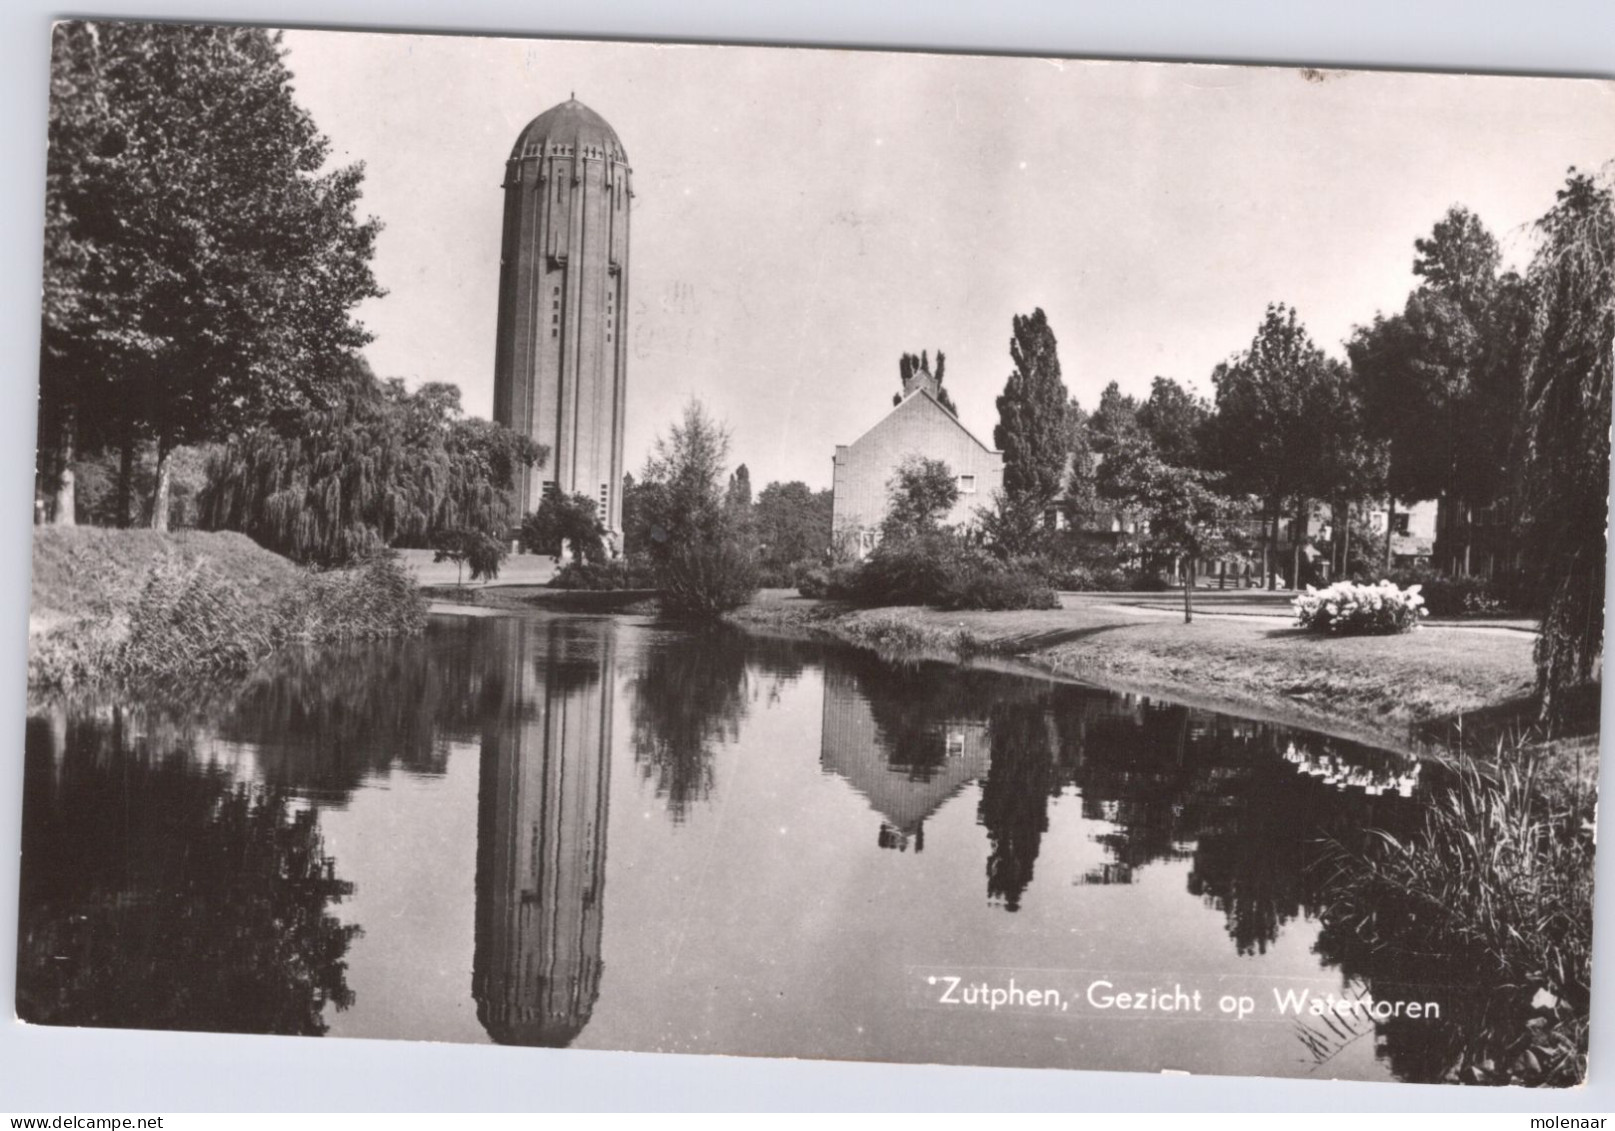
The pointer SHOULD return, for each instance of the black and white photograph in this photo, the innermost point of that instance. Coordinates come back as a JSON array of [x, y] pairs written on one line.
[[824, 554]]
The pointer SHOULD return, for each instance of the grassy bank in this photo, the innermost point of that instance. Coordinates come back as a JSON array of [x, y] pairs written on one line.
[[1385, 690], [137, 604]]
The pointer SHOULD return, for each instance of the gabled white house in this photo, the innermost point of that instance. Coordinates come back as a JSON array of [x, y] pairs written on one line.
[[918, 425]]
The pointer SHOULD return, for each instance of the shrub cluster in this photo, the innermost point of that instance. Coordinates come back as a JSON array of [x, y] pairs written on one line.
[[791, 575], [933, 569], [1070, 562], [980, 583], [1448, 596], [702, 580], [191, 619], [621, 573], [1347, 608]]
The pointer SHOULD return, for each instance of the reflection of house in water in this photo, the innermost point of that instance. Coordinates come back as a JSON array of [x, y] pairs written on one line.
[[904, 776], [541, 831]]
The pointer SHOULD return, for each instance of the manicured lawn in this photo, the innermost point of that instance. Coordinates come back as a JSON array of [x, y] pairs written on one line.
[[1373, 687]]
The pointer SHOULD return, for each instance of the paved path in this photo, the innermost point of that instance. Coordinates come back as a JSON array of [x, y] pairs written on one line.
[[518, 569], [1251, 605]]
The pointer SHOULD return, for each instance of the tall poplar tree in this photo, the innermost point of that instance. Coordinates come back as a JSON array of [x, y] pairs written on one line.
[[1032, 430]]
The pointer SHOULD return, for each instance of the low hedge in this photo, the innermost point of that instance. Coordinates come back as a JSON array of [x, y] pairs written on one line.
[[932, 570], [1448, 596]]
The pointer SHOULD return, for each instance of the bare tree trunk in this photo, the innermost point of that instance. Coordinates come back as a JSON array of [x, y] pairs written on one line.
[[165, 477], [1345, 542], [1271, 545], [1188, 597], [1390, 529], [61, 504], [1469, 536], [126, 479], [1296, 537]]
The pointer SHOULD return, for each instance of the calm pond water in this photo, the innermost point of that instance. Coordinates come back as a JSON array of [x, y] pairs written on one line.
[[607, 833]]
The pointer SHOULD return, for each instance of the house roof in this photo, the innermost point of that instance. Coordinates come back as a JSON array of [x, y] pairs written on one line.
[[922, 392]]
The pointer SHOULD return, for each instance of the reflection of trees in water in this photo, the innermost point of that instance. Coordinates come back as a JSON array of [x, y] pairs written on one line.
[[1418, 1050], [158, 894], [1014, 806], [913, 702], [1127, 759], [1246, 802], [321, 721], [689, 693]]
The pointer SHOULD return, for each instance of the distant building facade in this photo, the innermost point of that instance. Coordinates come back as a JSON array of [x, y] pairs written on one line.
[[918, 425], [561, 363], [1413, 531]]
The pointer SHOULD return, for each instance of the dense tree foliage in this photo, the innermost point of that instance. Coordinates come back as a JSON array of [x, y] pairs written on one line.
[[1032, 429], [383, 467], [1569, 357], [201, 262], [919, 496], [1114, 422], [704, 566], [1439, 382], [1279, 425], [792, 523], [572, 521], [1175, 422]]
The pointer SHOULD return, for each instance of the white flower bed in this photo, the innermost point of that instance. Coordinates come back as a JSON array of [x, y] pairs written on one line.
[[1347, 608]]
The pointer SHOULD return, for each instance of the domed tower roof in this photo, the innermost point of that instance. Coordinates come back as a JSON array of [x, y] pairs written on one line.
[[573, 127]]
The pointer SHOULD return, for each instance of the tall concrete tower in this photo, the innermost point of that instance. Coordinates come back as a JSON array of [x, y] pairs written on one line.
[[561, 367]]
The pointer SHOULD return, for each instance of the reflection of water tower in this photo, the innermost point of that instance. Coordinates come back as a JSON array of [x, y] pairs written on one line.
[[541, 830]]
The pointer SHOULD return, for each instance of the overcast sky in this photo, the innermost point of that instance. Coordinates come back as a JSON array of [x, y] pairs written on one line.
[[803, 217]]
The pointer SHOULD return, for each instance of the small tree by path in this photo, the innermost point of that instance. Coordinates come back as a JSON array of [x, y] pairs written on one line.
[[481, 551], [1187, 518]]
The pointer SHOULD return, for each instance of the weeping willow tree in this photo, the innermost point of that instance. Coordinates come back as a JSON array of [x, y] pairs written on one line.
[[382, 467], [1568, 379]]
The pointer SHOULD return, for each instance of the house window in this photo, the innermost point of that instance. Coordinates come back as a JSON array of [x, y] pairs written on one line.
[[967, 484], [1400, 524]]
